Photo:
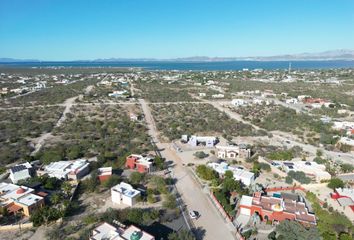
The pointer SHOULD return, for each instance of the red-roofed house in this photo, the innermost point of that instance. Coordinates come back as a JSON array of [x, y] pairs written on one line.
[[142, 164]]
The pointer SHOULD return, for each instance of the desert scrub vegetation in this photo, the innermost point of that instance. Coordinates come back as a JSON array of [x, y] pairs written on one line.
[[53, 95], [160, 91], [19, 126], [177, 119], [105, 131], [275, 117]]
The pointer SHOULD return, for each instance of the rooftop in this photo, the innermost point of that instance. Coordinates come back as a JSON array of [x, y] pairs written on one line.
[[126, 189]]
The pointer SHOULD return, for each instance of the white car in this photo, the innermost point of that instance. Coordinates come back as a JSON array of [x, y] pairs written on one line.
[[193, 214]]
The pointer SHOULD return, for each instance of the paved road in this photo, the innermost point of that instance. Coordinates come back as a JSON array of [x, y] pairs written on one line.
[[211, 221]]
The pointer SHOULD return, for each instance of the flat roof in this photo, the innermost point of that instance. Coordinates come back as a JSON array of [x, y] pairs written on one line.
[[29, 199], [135, 230], [246, 201], [126, 189]]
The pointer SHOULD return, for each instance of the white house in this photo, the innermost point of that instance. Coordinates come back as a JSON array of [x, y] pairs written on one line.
[[124, 193], [20, 172], [67, 170], [233, 151], [239, 174], [239, 102], [106, 231], [292, 101], [312, 169], [196, 140]]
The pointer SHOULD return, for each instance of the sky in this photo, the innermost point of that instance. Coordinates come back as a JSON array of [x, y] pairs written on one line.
[[92, 29]]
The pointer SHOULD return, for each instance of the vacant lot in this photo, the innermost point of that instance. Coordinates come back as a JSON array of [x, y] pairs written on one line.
[[103, 131], [177, 119], [17, 127]]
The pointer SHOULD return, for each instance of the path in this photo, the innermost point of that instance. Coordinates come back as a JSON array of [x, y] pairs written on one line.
[[45, 136], [211, 221]]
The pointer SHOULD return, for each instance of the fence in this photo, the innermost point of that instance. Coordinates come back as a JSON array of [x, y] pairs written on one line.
[[16, 226]]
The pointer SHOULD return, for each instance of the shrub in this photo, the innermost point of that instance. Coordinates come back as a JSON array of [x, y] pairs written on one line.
[[206, 173]]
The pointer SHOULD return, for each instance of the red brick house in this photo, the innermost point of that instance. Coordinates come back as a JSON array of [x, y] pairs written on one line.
[[143, 164], [277, 209]]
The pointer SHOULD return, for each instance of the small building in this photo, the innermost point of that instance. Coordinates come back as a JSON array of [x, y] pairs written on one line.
[[106, 231], [312, 169], [20, 172], [277, 209], [66, 170], [197, 140], [239, 174], [124, 193], [143, 164], [19, 199], [292, 101], [346, 141], [104, 173], [233, 151], [239, 102]]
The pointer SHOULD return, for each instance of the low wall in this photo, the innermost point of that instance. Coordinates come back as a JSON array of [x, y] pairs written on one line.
[[16, 227]]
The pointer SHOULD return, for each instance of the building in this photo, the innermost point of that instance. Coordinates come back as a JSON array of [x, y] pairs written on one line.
[[344, 196], [239, 102], [315, 171], [143, 164], [197, 140], [20, 172], [233, 151], [106, 231], [276, 209], [19, 199], [346, 141], [104, 173], [291, 101], [66, 170], [124, 193], [239, 174]]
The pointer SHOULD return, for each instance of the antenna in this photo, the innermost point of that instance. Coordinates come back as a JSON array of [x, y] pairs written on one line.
[[289, 68]]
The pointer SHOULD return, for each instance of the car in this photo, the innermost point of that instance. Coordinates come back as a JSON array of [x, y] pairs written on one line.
[[193, 214]]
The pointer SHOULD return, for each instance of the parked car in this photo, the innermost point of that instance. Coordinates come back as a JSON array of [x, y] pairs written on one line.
[[193, 214]]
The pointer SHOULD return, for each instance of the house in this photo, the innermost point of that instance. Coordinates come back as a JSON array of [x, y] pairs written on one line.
[[124, 193], [19, 199], [312, 169], [346, 141], [134, 117], [218, 95], [202, 94], [197, 140], [106, 231], [104, 173], [277, 209], [291, 101], [20, 172], [143, 164], [66, 170], [239, 102], [118, 93], [344, 196], [233, 151], [239, 174]]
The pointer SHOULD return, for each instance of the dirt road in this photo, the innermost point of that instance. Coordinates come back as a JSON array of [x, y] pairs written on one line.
[[193, 196]]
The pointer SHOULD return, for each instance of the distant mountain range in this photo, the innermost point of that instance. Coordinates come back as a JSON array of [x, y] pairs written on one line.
[[342, 54]]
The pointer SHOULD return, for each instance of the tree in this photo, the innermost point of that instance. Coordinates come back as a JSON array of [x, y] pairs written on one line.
[[112, 181], [201, 154], [159, 163], [347, 168], [66, 187], [136, 177], [335, 183], [181, 235], [289, 180], [170, 201], [55, 198], [295, 231], [299, 176], [74, 152], [159, 184], [206, 173]]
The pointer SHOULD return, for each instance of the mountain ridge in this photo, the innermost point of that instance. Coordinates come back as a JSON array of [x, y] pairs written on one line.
[[341, 54]]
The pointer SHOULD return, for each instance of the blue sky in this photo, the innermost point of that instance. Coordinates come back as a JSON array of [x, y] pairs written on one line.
[[90, 29]]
